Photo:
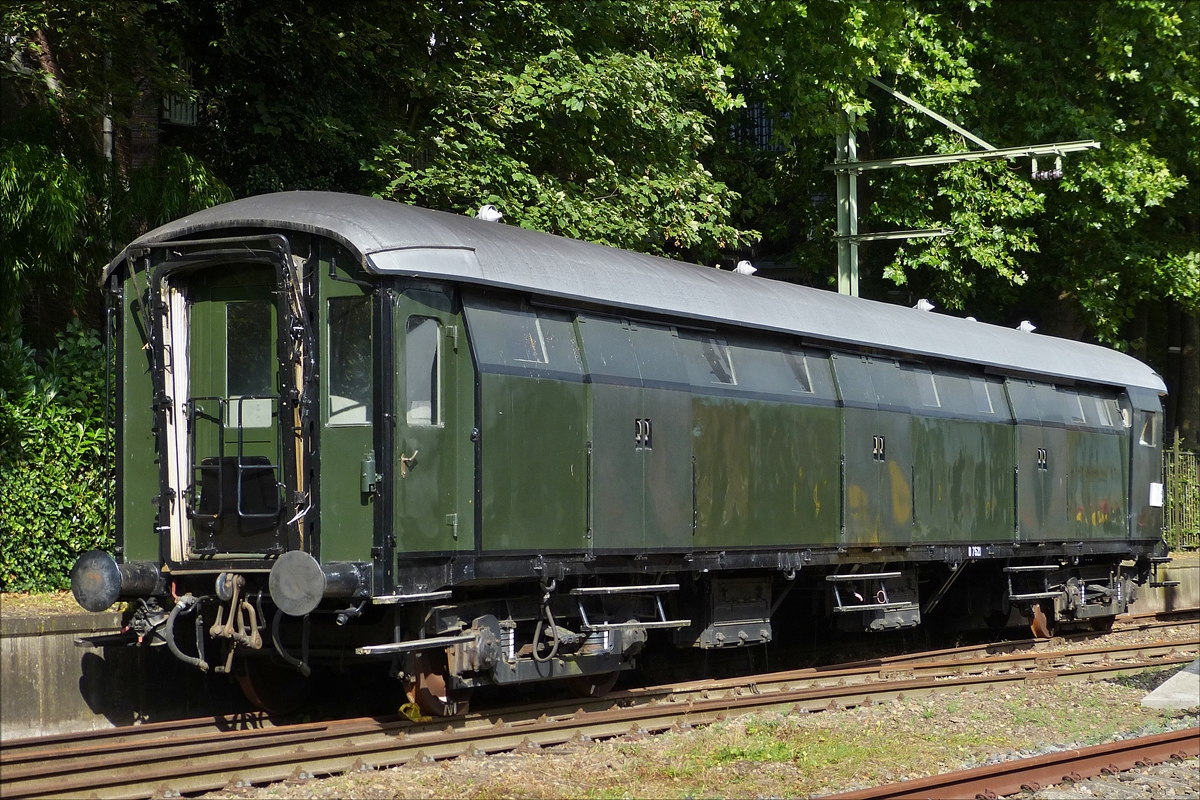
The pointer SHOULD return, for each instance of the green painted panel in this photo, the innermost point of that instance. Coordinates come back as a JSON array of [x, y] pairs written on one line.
[[797, 488], [1098, 477], [232, 355], [766, 473], [667, 467], [1030, 483], [347, 435], [722, 431], [139, 451], [879, 489], [963, 480], [432, 432], [534, 453], [1056, 476], [1042, 490], [347, 513], [618, 486], [1145, 441]]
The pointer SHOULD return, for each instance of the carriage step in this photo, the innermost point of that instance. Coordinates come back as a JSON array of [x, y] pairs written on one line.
[[400, 599], [877, 607], [1033, 596], [862, 576], [615, 626], [604, 590], [414, 645]]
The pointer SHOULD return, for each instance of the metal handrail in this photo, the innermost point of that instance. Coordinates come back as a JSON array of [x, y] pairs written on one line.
[[192, 497], [243, 468], [195, 413]]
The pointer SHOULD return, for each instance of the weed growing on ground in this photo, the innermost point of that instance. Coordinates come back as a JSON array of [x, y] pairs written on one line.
[[782, 754]]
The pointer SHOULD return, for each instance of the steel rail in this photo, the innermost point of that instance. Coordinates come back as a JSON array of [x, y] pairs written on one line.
[[935, 664], [1130, 624], [941, 664], [14, 750], [1174, 612], [1009, 777], [1127, 623], [214, 761], [346, 748]]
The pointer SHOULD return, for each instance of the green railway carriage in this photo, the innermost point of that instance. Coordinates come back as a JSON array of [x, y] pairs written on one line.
[[350, 428]]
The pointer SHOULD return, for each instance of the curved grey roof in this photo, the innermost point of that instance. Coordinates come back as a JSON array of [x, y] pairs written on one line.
[[393, 238]]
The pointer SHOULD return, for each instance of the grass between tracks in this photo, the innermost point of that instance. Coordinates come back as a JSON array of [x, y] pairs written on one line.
[[774, 754]]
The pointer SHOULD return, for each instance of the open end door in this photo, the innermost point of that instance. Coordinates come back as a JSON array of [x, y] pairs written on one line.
[[229, 339]]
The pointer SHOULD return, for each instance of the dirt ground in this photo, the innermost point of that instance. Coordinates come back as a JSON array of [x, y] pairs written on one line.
[[17, 604]]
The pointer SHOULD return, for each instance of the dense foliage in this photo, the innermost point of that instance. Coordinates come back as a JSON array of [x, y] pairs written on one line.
[[65, 197], [690, 129], [52, 470], [628, 122]]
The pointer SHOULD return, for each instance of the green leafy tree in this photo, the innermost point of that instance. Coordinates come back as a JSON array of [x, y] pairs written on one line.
[[1119, 231], [1121, 228], [589, 121], [53, 476], [68, 197]]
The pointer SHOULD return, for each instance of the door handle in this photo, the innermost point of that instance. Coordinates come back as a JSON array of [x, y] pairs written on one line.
[[407, 463], [642, 434]]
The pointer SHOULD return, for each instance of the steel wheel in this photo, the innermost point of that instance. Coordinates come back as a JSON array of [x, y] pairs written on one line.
[[1042, 624], [592, 685], [428, 687], [271, 687]]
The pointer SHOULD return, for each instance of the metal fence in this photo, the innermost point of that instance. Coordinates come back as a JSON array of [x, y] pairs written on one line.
[[1181, 469]]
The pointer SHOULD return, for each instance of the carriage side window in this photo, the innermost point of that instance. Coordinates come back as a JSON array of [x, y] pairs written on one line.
[[349, 367], [709, 358], [719, 361], [423, 367], [511, 333], [248, 362], [926, 388], [1075, 406], [1149, 435], [531, 343], [983, 398], [799, 367], [1060, 404], [759, 367]]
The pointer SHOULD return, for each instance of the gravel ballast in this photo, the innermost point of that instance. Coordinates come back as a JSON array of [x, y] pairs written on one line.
[[777, 754]]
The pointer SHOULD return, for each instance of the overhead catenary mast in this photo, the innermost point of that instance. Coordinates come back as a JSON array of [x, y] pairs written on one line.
[[847, 168]]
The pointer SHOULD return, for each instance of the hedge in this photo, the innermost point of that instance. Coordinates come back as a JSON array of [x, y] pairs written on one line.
[[53, 482]]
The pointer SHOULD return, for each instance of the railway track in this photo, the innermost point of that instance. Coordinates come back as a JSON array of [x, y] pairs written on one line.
[[169, 758], [1069, 766], [1143, 622], [1126, 623]]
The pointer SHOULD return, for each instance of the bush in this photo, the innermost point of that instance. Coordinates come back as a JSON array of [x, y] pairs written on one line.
[[53, 479]]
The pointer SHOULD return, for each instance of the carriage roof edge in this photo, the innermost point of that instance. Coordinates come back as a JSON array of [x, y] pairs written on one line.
[[394, 238]]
